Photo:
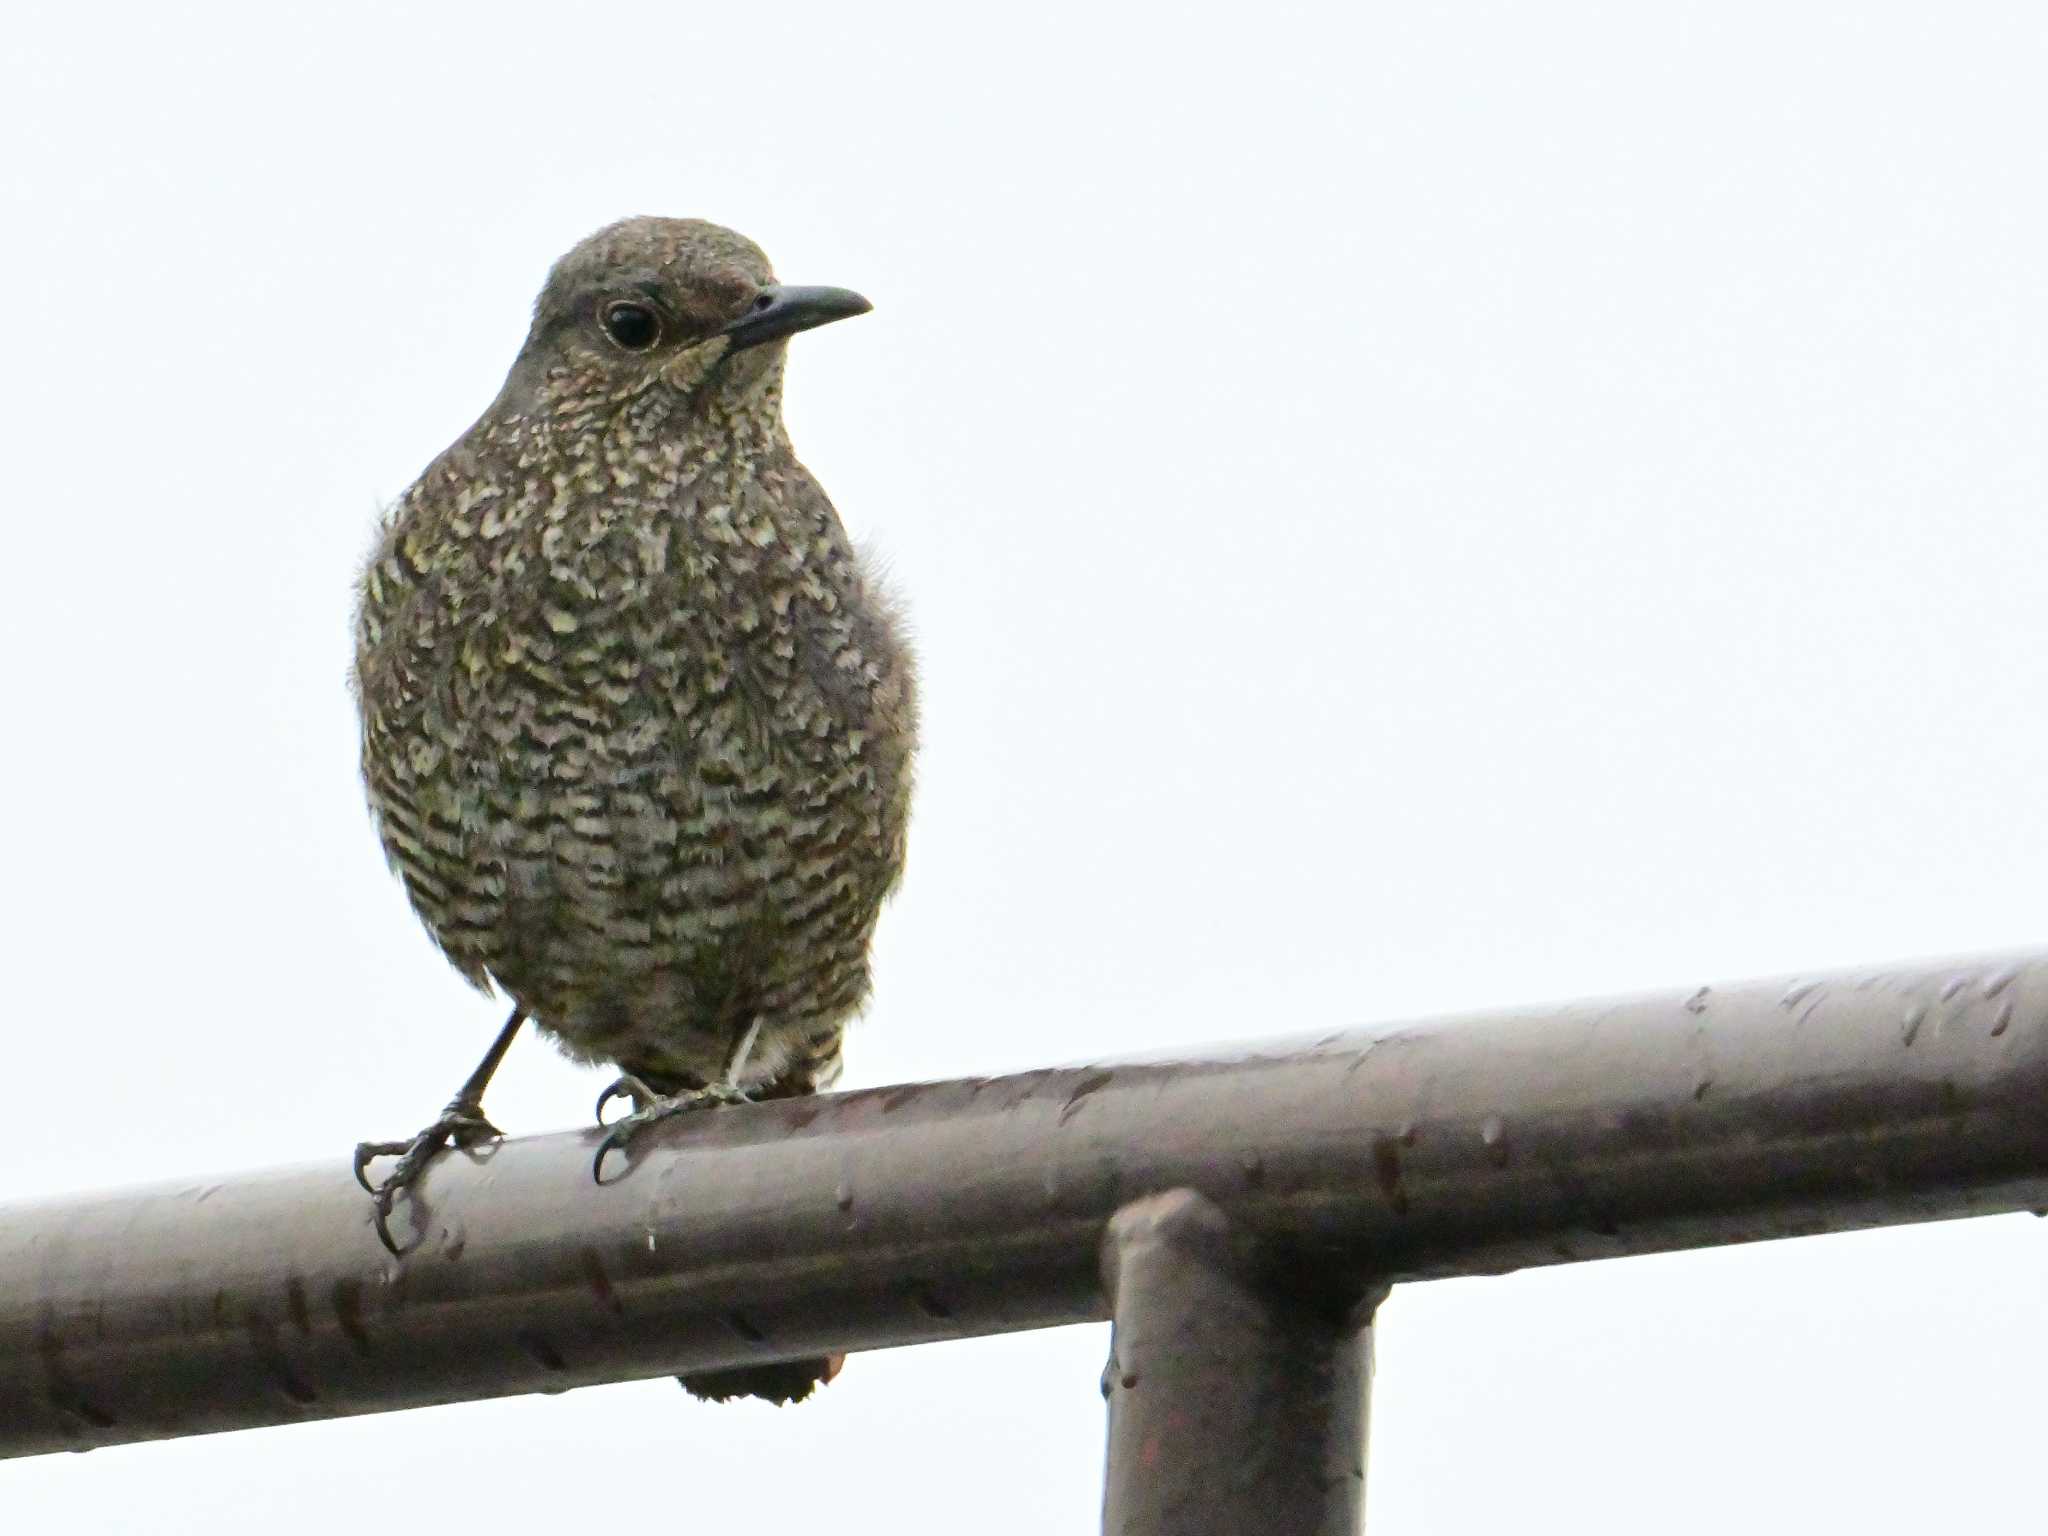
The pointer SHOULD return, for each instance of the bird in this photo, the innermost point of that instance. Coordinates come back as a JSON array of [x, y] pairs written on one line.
[[638, 720]]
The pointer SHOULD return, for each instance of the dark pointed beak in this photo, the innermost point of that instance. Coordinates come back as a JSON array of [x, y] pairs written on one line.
[[779, 311]]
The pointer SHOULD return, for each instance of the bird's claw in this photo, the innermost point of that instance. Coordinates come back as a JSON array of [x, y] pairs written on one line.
[[652, 1108], [461, 1123], [625, 1086]]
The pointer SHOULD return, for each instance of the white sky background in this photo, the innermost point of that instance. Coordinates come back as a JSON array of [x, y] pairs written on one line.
[[1404, 507]]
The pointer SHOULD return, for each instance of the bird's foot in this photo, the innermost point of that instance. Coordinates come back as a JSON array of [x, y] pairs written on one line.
[[462, 1123], [625, 1086], [650, 1107]]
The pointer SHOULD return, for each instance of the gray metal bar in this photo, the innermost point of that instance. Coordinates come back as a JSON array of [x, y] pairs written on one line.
[[894, 1216], [1236, 1385]]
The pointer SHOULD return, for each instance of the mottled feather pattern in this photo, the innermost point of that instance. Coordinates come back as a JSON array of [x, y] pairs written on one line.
[[637, 722]]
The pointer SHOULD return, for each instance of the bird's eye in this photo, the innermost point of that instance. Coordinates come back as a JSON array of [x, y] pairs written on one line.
[[632, 326]]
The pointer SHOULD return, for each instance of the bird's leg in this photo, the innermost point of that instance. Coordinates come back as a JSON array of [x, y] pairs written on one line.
[[649, 1106], [461, 1121]]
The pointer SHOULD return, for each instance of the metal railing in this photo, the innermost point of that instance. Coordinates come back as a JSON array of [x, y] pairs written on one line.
[[1237, 1217]]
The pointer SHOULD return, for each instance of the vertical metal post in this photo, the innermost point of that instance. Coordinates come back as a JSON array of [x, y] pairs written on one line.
[[1237, 1399]]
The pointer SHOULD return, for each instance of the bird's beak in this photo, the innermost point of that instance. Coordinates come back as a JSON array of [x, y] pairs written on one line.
[[779, 311]]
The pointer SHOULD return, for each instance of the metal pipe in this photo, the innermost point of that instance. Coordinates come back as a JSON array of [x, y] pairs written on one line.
[[931, 1211], [1237, 1389]]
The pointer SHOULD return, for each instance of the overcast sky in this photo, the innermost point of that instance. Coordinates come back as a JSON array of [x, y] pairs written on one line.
[[1404, 508]]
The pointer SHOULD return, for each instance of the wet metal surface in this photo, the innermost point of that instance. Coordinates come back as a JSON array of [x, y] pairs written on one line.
[[1236, 1388], [1701, 1115]]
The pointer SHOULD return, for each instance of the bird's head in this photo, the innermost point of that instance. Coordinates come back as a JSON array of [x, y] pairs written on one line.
[[676, 304]]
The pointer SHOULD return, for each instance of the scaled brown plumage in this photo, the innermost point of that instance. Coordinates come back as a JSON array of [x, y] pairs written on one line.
[[637, 721]]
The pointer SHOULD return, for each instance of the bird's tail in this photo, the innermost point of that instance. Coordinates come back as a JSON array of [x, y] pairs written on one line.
[[787, 1381]]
